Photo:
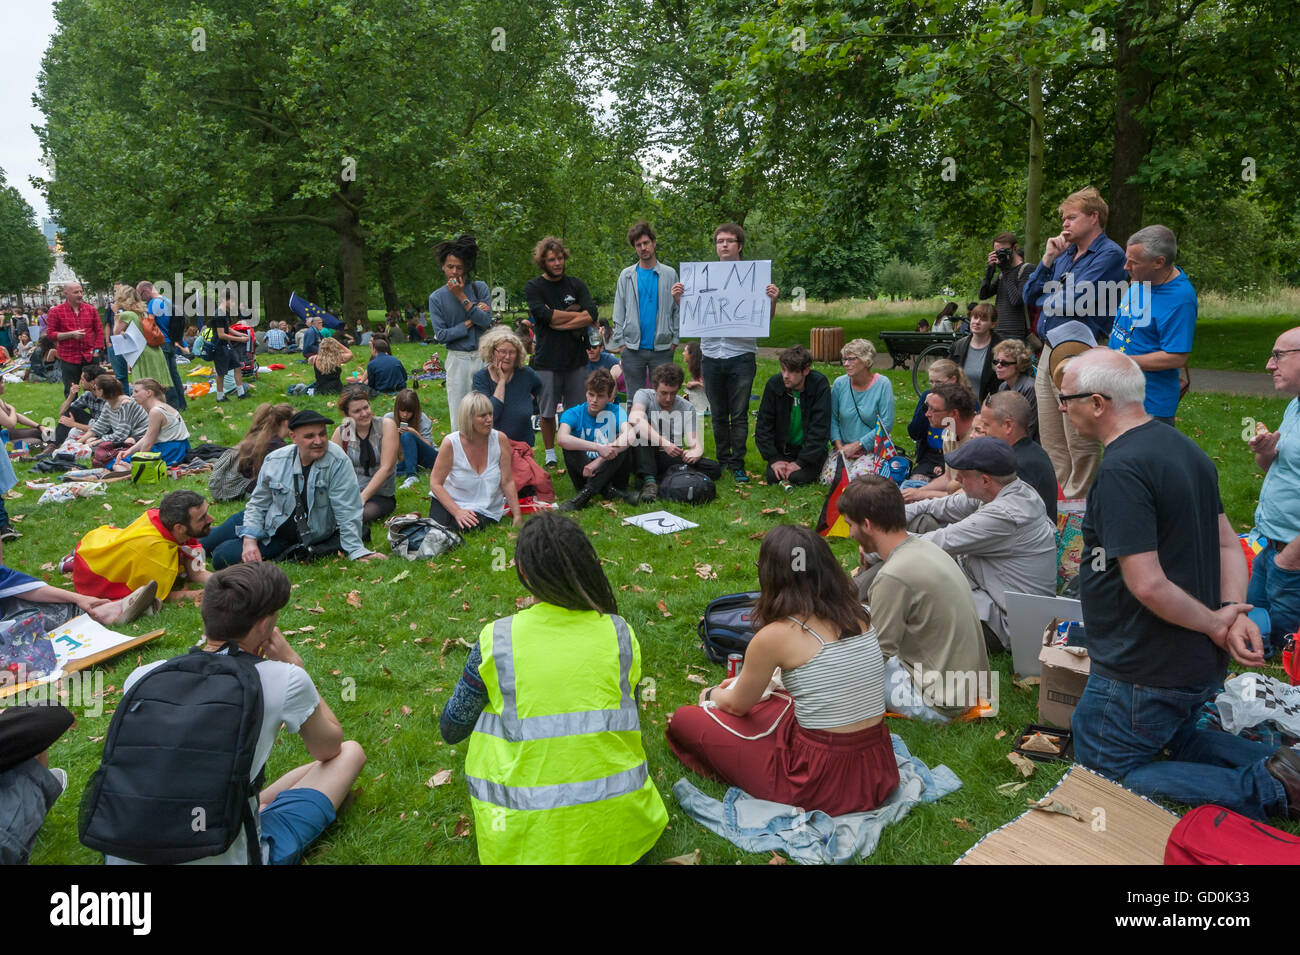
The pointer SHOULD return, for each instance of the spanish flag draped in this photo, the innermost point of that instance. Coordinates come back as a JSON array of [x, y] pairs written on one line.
[[831, 524], [111, 561]]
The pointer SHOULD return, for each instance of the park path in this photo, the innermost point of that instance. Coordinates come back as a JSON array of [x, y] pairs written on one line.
[[1204, 380]]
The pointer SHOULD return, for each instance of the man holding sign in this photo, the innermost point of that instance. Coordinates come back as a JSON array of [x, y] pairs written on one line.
[[729, 363]]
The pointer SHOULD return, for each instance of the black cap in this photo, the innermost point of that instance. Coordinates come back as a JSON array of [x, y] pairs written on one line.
[[990, 455], [306, 417]]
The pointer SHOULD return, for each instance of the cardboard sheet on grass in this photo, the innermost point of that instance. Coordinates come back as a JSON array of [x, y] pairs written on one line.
[[1134, 833], [660, 522], [81, 643]]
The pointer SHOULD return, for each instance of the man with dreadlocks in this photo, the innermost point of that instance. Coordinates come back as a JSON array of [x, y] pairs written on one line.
[[556, 770]]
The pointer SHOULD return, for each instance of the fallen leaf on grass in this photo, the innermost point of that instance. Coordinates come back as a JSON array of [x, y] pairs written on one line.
[[108, 507], [307, 629], [400, 577], [316, 609], [663, 608], [758, 536], [772, 510], [146, 501], [464, 605], [778, 860], [1048, 804], [643, 569], [47, 566], [407, 711], [691, 858], [1000, 734], [17, 517], [962, 824], [696, 678], [1022, 763], [462, 827], [705, 572], [354, 599], [441, 778], [1010, 789], [1025, 682], [412, 627]]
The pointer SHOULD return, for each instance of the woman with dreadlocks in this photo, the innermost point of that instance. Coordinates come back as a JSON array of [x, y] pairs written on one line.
[[555, 769]]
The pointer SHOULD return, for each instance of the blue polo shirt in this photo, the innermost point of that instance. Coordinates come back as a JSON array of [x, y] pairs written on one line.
[[386, 374], [647, 299], [1162, 320]]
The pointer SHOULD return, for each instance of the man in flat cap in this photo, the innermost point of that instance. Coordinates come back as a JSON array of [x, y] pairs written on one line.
[[306, 504], [997, 529]]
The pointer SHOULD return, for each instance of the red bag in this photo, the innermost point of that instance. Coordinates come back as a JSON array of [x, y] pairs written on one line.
[[1212, 835]]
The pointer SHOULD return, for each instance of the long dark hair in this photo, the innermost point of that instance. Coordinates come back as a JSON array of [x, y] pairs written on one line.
[[265, 428], [463, 247], [800, 577], [556, 562], [408, 401]]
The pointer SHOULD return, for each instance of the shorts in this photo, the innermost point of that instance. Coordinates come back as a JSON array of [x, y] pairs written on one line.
[[561, 387], [294, 820], [224, 358]]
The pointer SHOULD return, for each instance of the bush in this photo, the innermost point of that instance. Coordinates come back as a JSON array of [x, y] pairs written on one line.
[[899, 279]]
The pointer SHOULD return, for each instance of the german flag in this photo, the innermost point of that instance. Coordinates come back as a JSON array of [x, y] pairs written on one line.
[[831, 524]]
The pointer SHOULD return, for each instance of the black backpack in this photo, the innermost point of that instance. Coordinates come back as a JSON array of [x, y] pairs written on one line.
[[727, 625], [685, 484], [173, 784]]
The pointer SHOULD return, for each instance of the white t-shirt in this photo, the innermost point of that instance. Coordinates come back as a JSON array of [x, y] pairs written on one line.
[[288, 698], [673, 425]]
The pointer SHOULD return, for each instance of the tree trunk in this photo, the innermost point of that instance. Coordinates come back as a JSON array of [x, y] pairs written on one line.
[[387, 282], [1134, 83], [352, 266], [1034, 177]]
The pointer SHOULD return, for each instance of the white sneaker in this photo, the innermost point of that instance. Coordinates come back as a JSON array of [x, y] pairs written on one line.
[[410, 482]]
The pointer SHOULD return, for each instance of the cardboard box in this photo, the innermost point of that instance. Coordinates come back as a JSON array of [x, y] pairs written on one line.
[[1064, 675]]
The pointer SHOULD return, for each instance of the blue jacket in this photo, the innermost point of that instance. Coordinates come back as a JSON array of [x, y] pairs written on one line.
[[333, 498], [1103, 262]]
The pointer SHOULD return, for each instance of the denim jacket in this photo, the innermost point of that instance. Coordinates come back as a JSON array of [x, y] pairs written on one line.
[[627, 310], [333, 498]]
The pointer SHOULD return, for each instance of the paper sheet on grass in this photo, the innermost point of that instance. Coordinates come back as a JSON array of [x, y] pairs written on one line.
[[660, 522], [81, 642], [129, 345]]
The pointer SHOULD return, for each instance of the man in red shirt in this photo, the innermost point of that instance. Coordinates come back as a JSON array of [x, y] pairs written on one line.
[[77, 331]]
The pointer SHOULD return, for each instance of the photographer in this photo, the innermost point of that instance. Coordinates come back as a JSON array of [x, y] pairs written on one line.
[[1005, 278]]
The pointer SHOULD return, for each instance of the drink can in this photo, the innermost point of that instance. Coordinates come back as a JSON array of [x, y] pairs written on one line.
[[734, 662]]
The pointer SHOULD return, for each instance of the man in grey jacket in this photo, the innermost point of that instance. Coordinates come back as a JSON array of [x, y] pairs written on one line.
[[996, 528], [646, 316]]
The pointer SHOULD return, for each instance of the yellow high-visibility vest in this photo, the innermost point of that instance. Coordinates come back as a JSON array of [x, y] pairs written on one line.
[[556, 770]]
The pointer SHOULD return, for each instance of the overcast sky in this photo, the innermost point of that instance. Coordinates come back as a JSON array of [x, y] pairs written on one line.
[[29, 24]]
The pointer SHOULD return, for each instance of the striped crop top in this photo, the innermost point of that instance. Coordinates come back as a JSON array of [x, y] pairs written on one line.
[[844, 683]]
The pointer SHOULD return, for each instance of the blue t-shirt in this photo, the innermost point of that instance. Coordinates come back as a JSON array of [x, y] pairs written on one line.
[[604, 428], [1163, 320], [607, 360], [1277, 517], [385, 374], [647, 297], [161, 310]]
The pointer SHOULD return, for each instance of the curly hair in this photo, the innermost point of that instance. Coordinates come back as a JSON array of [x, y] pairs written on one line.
[[1017, 351], [331, 356], [497, 335]]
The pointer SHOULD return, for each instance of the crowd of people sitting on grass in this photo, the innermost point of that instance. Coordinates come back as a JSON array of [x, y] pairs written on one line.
[[547, 699]]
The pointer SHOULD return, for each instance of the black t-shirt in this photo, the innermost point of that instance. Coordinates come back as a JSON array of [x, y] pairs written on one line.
[[566, 349], [1155, 491], [1034, 467]]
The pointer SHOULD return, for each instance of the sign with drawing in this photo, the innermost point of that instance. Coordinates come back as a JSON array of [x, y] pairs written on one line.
[[660, 522]]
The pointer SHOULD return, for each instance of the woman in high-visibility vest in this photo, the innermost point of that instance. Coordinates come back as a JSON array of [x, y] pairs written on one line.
[[818, 741], [556, 770]]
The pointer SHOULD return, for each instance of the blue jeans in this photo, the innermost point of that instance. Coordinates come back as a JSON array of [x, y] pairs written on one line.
[[120, 370], [1278, 592], [416, 453], [913, 482], [1121, 729], [226, 548], [176, 393], [728, 383]]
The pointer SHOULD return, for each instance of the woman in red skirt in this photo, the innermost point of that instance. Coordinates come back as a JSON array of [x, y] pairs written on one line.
[[820, 742]]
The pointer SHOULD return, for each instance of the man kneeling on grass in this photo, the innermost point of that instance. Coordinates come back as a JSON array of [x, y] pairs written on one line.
[[595, 437], [668, 431], [241, 605]]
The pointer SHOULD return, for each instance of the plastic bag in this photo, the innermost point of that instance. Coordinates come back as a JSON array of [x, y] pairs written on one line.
[[69, 492], [1253, 698]]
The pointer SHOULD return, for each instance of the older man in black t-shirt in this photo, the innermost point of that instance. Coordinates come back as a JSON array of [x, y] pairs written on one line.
[[1163, 586]]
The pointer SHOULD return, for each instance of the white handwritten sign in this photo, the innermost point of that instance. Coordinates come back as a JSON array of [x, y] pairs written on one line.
[[725, 298], [660, 522]]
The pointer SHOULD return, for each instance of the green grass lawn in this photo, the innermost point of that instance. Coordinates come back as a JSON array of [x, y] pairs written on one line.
[[401, 649]]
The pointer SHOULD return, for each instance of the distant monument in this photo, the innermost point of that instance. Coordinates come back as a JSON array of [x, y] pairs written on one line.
[[60, 275]]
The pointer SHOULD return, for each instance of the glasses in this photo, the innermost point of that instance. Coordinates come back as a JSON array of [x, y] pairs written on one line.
[[1279, 353], [1001, 363], [1063, 399], [848, 358]]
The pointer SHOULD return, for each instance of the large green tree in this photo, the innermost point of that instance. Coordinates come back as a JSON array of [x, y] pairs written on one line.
[[25, 259]]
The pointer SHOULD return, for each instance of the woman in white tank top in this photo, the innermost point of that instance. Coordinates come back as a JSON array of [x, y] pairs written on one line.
[[824, 745], [471, 483]]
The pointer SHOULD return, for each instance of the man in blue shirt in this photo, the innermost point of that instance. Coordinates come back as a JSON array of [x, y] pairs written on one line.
[[1275, 573], [1079, 279], [1156, 319], [384, 373], [646, 318], [595, 438], [311, 340], [161, 310]]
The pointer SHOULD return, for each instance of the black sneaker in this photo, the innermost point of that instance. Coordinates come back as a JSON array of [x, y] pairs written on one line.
[[8, 533], [649, 492], [577, 503], [622, 494]]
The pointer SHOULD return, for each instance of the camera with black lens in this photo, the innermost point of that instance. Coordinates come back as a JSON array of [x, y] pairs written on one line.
[[1004, 256]]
